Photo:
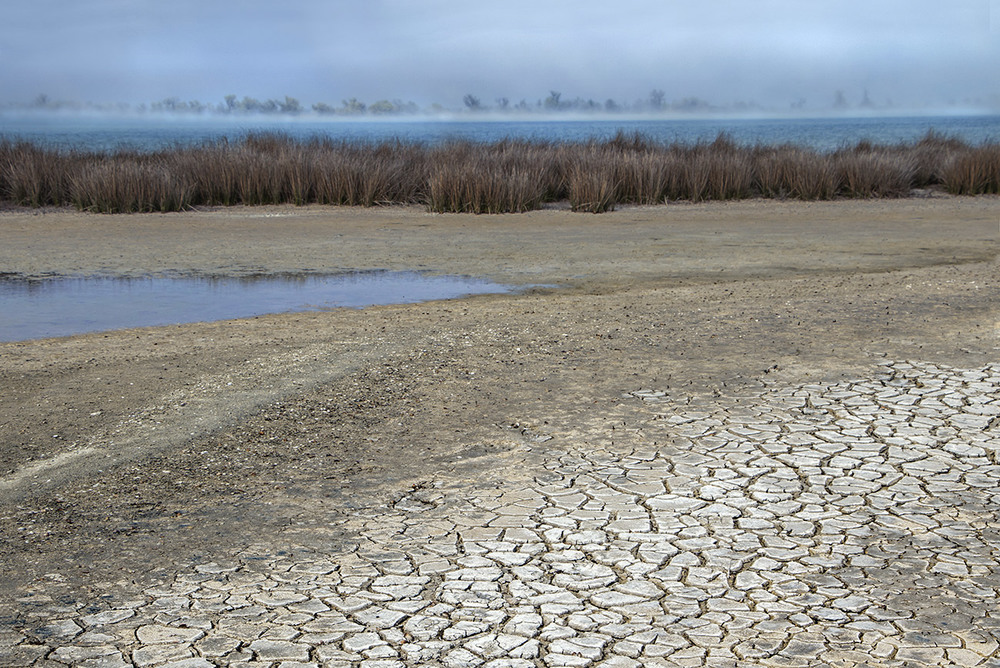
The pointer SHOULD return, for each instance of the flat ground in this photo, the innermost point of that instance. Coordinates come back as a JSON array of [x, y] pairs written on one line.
[[133, 463]]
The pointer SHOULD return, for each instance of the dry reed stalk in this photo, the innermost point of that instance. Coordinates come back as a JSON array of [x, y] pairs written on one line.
[[505, 176], [128, 186], [592, 183], [973, 172], [868, 171]]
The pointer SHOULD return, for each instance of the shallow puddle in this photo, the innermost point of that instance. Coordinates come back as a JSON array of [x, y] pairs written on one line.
[[64, 306]]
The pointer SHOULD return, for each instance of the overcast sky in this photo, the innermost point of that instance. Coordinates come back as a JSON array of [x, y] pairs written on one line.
[[772, 52]]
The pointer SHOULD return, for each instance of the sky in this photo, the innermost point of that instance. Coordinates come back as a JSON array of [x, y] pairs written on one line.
[[772, 53]]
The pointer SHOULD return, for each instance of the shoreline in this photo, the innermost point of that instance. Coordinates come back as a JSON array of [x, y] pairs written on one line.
[[649, 244]]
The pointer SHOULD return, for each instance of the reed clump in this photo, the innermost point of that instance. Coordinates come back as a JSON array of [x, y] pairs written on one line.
[[973, 172], [506, 177], [509, 176], [128, 186], [33, 176]]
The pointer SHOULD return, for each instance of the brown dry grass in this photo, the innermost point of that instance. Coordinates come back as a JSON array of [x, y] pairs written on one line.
[[506, 176]]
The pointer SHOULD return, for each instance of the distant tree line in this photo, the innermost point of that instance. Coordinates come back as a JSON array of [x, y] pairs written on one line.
[[289, 105], [656, 102]]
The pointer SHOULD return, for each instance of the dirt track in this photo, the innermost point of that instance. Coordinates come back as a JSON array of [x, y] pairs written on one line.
[[125, 453]]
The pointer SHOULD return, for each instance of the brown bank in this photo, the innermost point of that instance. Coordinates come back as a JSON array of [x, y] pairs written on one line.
[[124, 453]]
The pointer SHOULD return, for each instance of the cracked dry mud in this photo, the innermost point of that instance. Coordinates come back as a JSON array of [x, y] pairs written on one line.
[[849, 523], [780, 470]]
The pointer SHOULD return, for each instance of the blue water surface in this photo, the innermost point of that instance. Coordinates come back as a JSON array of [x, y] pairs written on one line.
[[64, 306], [150, 133]]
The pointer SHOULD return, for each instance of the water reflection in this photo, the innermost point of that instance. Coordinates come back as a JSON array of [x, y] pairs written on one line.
[[64, 306]]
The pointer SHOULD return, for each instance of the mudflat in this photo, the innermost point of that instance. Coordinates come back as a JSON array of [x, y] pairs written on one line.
[[128, 456]]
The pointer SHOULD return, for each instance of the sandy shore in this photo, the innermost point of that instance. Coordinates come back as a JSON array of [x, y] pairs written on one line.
[[125, 453], [702, 242]]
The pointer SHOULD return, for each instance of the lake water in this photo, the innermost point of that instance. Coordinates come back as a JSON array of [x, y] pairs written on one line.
[[95, 132], [64, 306]]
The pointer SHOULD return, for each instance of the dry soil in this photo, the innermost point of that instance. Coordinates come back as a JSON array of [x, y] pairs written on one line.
[[124, 453]]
